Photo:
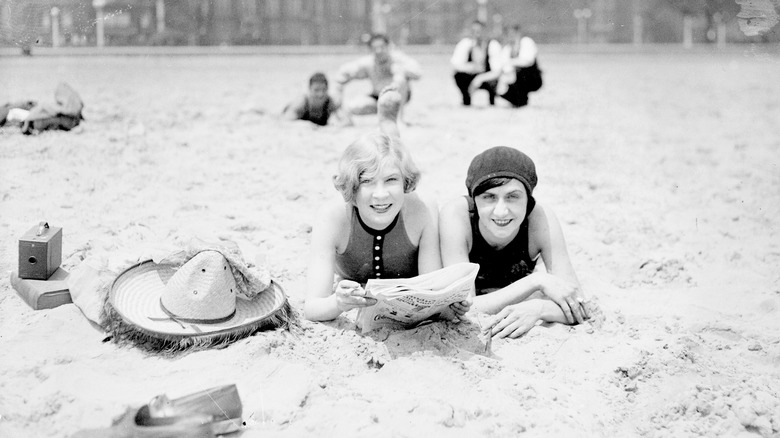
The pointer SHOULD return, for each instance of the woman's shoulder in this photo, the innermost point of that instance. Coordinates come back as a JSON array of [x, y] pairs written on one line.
[[414, 203], [455, 207], [541, 220], [419, 213], [541, 213], [334, 213]]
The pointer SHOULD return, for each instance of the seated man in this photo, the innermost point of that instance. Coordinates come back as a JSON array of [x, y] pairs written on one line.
[[521, 74], [477, 64], [383, 67], [316, 106]]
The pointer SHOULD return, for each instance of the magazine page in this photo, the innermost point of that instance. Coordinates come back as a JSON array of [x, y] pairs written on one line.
[[407, 301]]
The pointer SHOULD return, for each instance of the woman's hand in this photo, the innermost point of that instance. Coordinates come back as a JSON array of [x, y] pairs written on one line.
[[566, 295], [515, 320], [460, 308], [455, 311], [349, 295]]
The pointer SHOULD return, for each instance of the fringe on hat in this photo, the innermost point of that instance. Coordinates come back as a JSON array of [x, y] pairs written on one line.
[[124, 333]]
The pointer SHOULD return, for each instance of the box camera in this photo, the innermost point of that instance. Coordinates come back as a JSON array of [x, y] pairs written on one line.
[[40, 252]]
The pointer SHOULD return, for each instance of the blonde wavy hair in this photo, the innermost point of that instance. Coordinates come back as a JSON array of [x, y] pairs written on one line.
[[363, 159]]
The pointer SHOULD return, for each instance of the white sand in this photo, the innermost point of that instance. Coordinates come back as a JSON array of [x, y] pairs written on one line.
[[662, 168]]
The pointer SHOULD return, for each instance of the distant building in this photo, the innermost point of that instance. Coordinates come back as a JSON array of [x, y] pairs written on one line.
[[337, 22]]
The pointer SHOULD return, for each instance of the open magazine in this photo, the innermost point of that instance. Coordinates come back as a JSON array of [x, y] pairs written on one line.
[[404, 302]]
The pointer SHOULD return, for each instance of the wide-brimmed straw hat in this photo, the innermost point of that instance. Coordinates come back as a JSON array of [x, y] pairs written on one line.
[[198, 304]]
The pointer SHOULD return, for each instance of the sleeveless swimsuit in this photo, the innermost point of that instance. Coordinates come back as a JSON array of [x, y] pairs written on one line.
[[374, 253], [319, 117], [499, 267]]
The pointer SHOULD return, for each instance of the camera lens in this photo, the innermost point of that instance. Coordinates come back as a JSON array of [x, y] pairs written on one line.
[[32, 260]]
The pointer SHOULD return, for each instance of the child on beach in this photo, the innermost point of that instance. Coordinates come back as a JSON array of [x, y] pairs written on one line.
[[317, 105], [500, 226], [382, 229]]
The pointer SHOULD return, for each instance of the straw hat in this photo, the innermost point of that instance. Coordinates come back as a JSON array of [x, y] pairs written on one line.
[[196, 305]]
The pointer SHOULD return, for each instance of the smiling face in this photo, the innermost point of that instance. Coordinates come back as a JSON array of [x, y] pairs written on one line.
[[477, 30], [501, 210], [380, 50], [379, 197], [318, 92]]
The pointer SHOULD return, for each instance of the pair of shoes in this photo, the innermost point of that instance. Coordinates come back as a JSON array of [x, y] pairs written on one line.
[[222, 403], [204, 414], [136, 423]]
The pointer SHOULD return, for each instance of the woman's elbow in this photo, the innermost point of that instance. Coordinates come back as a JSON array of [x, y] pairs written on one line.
[[313, 311], [310, 312]]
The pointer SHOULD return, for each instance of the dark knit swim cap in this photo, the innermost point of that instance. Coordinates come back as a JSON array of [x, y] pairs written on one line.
[[501, 161]]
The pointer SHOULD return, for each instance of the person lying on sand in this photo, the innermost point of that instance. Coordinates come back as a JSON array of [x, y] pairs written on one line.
[[317, 105], [382, 229], [500, 226]]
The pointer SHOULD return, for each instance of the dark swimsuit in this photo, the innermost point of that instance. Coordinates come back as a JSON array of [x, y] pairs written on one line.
[[318, 116], [499, 267], [374, 253]]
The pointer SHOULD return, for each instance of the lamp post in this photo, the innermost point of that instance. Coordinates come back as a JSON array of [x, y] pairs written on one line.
[[55, 26], [100, 40], [482, 13], [687, 31], [638, 31], [721, 30], [582, 16], [160, 12], [379, 11]]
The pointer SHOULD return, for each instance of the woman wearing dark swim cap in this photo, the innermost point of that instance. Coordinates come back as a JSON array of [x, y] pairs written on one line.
[[500, 226]]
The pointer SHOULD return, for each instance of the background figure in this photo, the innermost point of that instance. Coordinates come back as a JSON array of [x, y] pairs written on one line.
[[315, 106], [65, 113], [383, 67], [477, 63], [521, 74]]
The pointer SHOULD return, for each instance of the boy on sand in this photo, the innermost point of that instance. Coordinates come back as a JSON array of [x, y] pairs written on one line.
[[500, 226], [381, 229], [317, 105]]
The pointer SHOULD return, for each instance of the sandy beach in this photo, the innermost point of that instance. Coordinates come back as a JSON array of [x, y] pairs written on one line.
[[664, 170]]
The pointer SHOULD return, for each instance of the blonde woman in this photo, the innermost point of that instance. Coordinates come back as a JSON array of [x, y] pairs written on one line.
[[382, 229]]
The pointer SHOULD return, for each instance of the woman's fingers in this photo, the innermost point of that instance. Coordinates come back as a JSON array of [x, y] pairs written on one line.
[[460, 308], [353, 301], [350, 288], [584, 308], [499, 322], [351, 295], [367, 301], [514, 329], [347, 284], [563, 303], [520, 331], [575, 310]]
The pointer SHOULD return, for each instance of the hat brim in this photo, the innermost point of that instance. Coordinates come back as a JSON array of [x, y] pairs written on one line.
[[135, 297]]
